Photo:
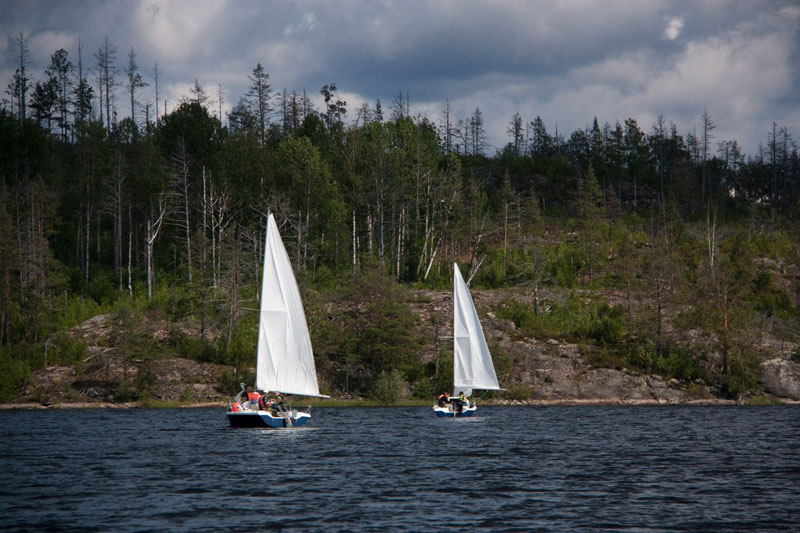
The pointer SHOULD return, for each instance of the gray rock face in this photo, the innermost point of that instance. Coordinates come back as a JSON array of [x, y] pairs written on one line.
[[781, 378]]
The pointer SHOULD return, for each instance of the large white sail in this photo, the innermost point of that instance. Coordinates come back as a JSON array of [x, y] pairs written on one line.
[[473, 368], [285, 360]]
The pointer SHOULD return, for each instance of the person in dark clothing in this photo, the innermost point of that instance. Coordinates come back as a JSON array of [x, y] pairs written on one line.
[[460, 401], [443, 399]]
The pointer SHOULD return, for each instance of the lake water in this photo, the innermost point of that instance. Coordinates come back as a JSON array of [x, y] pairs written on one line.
[[360, 469]]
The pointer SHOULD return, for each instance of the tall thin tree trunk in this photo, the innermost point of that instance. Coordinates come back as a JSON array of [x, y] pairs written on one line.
[[355, 243]]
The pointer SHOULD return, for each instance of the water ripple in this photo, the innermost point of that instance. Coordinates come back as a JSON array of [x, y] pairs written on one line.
[[511, 469]]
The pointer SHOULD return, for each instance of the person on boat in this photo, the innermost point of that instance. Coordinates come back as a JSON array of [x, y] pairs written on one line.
[[460, 401], [443, 399], [279, 401], [253, 397], [264, 402]]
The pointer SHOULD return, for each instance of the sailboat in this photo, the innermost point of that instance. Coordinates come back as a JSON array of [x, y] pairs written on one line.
[[472, 362], [285, 360]]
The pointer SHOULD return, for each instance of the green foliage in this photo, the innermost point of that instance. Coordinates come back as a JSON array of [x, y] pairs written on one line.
[[241, 351], [743, 372], [606, 358], [518, 392], [14, 372], [776, 245], [229, 382], [771, 300], [75, 310], [674, 361], [195, 348], [103, 287], [422, 388], [371, 331], [443, 379], [565, 265], [679, 363], [66, 350], [575, 320], [381, 197], [761, 399], [609, 330], [126, 393], [389, 387], [503, 364], [640, 356]]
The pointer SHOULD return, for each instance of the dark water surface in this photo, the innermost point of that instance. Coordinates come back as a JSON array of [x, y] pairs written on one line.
[[509, 468]]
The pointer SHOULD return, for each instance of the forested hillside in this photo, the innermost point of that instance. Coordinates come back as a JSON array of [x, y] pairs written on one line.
[[659, 251]]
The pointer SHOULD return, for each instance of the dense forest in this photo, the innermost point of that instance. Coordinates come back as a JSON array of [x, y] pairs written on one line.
[[163, 214]]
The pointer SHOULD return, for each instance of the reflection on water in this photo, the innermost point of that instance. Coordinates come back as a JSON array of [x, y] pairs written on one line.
[[517, 468]]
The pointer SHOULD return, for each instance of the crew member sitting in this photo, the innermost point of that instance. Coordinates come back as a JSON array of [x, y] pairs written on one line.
[[263, 402], [443, 399], [460, 401]]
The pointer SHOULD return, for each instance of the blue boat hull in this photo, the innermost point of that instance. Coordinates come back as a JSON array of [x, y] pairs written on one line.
[[263, 419]]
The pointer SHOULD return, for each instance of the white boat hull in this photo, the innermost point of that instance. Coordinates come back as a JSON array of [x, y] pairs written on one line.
[[452, 411]]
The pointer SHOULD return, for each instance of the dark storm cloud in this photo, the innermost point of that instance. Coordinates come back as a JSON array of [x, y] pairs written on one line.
[[566, 61]]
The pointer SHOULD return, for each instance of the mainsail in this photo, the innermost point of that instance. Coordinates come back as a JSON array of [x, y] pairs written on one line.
[[473, 368], [285, 360]]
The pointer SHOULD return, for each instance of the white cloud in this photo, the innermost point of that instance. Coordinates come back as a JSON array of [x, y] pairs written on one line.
[[673, 29], [172, 29], [307, 23], [42, 45]]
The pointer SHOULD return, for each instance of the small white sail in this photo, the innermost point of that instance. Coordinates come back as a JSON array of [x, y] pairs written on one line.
[[473, 368], [285, 360]]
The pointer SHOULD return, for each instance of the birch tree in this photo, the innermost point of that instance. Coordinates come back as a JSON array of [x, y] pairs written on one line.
[[153, 227], [181, 185]]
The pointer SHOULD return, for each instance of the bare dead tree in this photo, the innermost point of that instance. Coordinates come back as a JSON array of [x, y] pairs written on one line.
[[153, 227]]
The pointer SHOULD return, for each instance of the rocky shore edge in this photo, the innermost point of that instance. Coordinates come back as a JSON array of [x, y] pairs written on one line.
[[506, 403]]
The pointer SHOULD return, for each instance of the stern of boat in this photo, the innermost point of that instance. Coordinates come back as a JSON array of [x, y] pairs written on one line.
[[450, 411], [267, 419]]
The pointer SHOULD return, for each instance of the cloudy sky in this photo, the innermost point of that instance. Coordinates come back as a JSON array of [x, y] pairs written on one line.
[[567, 61]]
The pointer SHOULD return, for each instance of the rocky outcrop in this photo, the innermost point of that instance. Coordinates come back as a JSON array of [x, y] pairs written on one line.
[[781, 377], [535, 370], [106, 378]]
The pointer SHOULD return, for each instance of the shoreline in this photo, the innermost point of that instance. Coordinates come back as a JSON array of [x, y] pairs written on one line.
[[573, 402]]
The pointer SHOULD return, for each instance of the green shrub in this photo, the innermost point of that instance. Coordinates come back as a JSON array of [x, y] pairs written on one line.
[[13, 375], [608, 331], [388, 387], [443, 380], [679, 364], [422, 388], [776, 244], [640, 356], [761, 399], [606, 358], [518, 392], [696, 390], [66, 350], [194, 348], [126, 393], [743, 373], [229, 382]]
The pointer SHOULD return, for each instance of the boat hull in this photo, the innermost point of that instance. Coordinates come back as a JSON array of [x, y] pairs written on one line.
[[265, 419], [449, 411]]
